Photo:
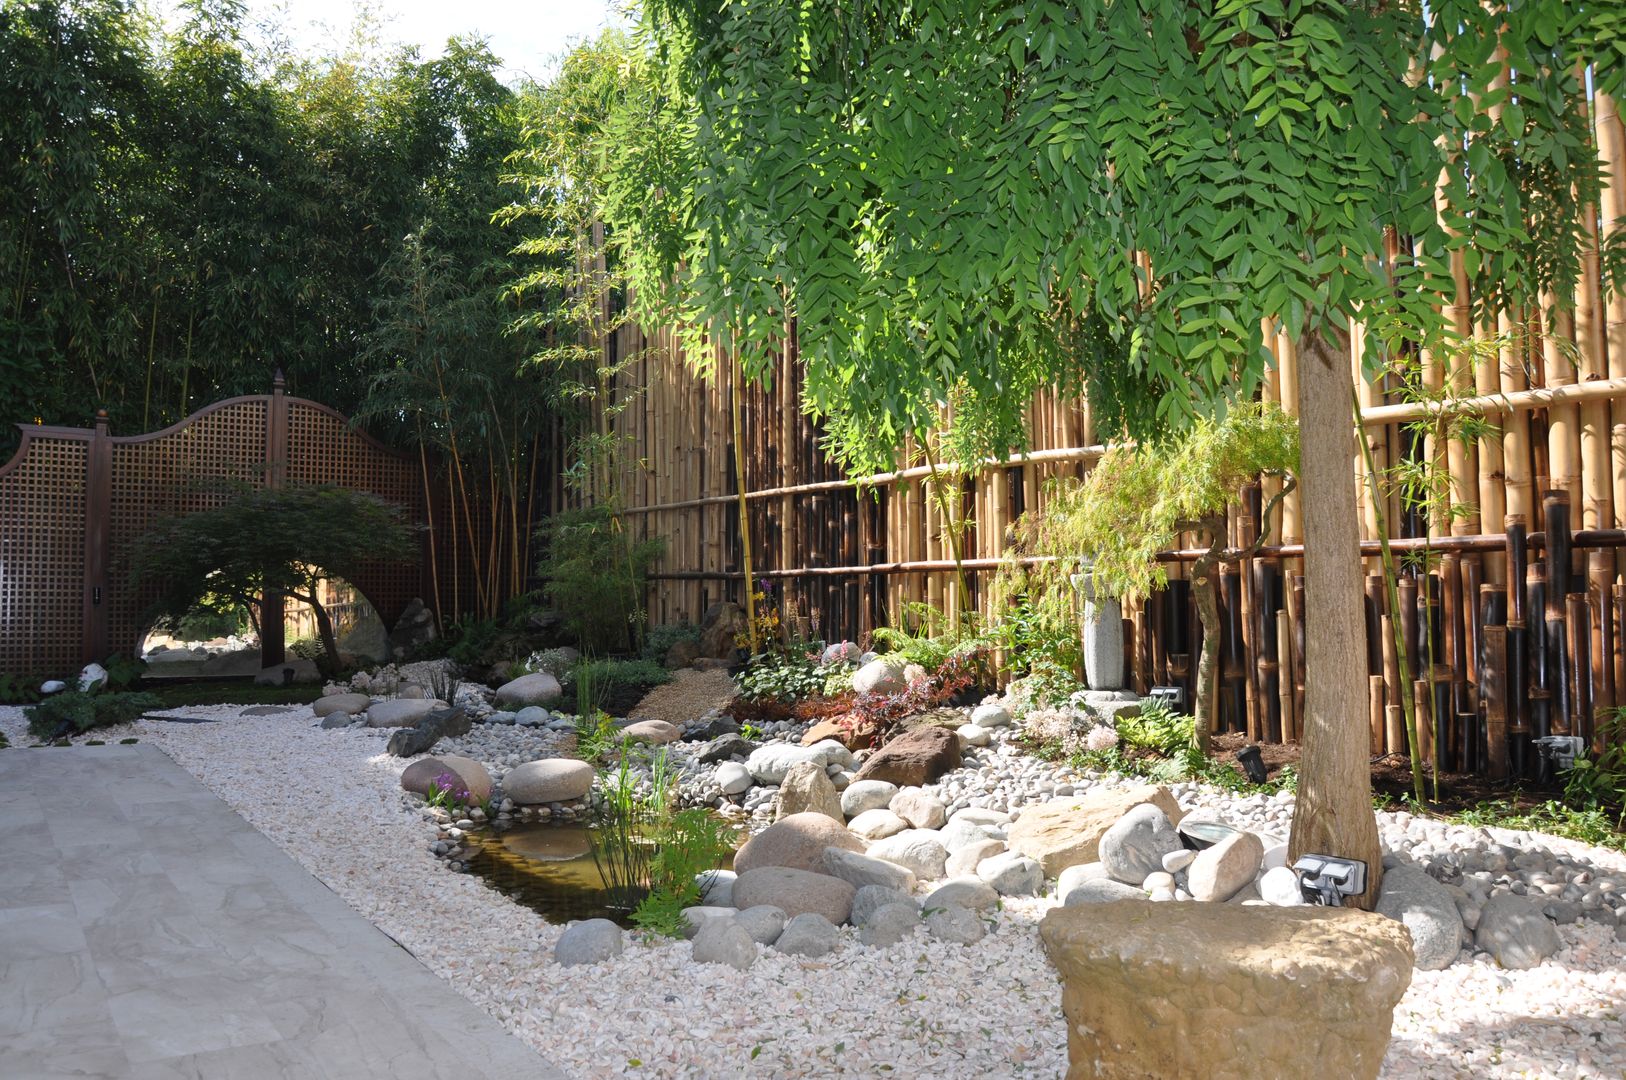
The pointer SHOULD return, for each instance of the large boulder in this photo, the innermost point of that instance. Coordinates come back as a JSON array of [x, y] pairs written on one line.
[[469, 773], [966, 892], [1514, 931], [795, 892], [890, 924], [877, 824], [1429, 912], [550, 780], [915, 758], [796, 841], [864, 795], [1225, 869], [304, 672], [808, 934], [769, 763], [537, 688], [422, 736], [1011, 874], [880, 676], [591, 942], [917, 850], [350, 704], [919, 808], [720, 629], [861, 870], [413, 630], [655, 732], [724, 941], [807, 790], [401, 712], [1067, 832], [1135, 845], [1226, 991], [835, 730]]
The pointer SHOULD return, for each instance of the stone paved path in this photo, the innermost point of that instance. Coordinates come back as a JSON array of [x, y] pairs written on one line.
[[146, 931]]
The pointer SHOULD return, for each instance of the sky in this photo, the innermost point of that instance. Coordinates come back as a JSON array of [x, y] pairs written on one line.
[[527, 36]]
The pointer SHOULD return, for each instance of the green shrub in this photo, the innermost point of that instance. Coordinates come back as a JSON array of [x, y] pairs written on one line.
[[123, 671], [1158, 729], [689, 843], [18, 689], [784, 678], [203, 625], [660, 639], [596, 574], [614, 686], [85, 712]]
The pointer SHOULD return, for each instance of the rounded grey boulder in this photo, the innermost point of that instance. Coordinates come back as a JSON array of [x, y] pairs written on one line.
[[724, 941], [590, 942], [808, 934], [872, 898], [547, 781], [890, 924], [763, 923], [1135, 844], [1428, 911], [1514, 931], [956, 924]]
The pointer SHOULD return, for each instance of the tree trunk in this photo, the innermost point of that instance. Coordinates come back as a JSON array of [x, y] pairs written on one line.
[[1205, 589], [1334, 814], [324, 628]]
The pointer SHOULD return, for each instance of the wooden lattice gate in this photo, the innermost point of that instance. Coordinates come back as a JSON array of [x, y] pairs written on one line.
[[73, 501]]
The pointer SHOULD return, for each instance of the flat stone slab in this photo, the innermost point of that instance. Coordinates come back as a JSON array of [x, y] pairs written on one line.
[[147, 930]]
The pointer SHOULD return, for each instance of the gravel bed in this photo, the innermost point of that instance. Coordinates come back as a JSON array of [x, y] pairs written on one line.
[[331, 799]]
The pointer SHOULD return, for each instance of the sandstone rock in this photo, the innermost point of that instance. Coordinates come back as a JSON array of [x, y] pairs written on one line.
[[538, 688], [796, 841], [1136, 844], [807, 790], [655, 732], [890, 924], [918, 757], [864, 795], [808, 934], [795, 892], [880, 676], [1220, 872], [329, 704], [918, 850], [877, 824], [833, 730], [1514, 931], [763, 922], [400, 712], [724, 941], [1012, 874], [548, 781], [1226, 992], [590, 942], [964, 861], [862, 870], [1067, 832], [919, 809], [966, 892], [470, 773], [955, 924], [1429, 912], [422, 736]]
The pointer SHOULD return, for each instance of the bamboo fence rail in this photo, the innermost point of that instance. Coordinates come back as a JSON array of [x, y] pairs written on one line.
[[1512, 634]]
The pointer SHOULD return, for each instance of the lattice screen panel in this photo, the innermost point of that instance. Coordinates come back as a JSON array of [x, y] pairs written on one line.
[[166, 474], [323, 449], [42, 556]]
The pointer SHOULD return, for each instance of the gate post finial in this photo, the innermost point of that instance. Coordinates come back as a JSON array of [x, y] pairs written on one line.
[[278, 382]]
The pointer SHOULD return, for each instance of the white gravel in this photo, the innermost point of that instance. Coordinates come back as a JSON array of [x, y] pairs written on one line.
[[918, 1009]]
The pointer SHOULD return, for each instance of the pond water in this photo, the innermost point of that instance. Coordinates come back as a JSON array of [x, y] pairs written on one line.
[[548, 868]]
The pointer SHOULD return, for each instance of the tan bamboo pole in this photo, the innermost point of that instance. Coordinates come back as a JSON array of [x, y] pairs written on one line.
[[1563, 418], [1612, 218], [736, 377]]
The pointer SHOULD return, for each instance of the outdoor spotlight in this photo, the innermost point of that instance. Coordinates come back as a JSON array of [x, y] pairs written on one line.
[[1252, 763], [1172, 696], [1326, 879], [1561, 750]]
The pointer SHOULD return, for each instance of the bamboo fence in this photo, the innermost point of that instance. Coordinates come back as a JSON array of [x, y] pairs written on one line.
[[1511, 607]]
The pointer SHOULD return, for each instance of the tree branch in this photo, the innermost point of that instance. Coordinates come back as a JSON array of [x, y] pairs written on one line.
[[1290, 483]]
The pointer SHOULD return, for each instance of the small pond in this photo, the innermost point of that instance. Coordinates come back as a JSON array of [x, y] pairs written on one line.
[[548, 868]]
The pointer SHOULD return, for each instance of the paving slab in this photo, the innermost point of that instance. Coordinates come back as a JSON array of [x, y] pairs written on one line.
[[148, 931]]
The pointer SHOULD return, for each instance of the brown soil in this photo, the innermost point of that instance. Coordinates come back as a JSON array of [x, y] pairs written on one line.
[[1391, 777]]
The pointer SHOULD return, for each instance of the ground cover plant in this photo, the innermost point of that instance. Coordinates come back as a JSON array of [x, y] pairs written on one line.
[[73, 712]]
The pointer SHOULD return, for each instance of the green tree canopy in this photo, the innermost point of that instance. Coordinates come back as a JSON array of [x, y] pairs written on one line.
[[265, 539]]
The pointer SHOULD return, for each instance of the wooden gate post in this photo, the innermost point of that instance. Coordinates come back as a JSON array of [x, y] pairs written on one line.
[[98, 510], [273, 646]]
